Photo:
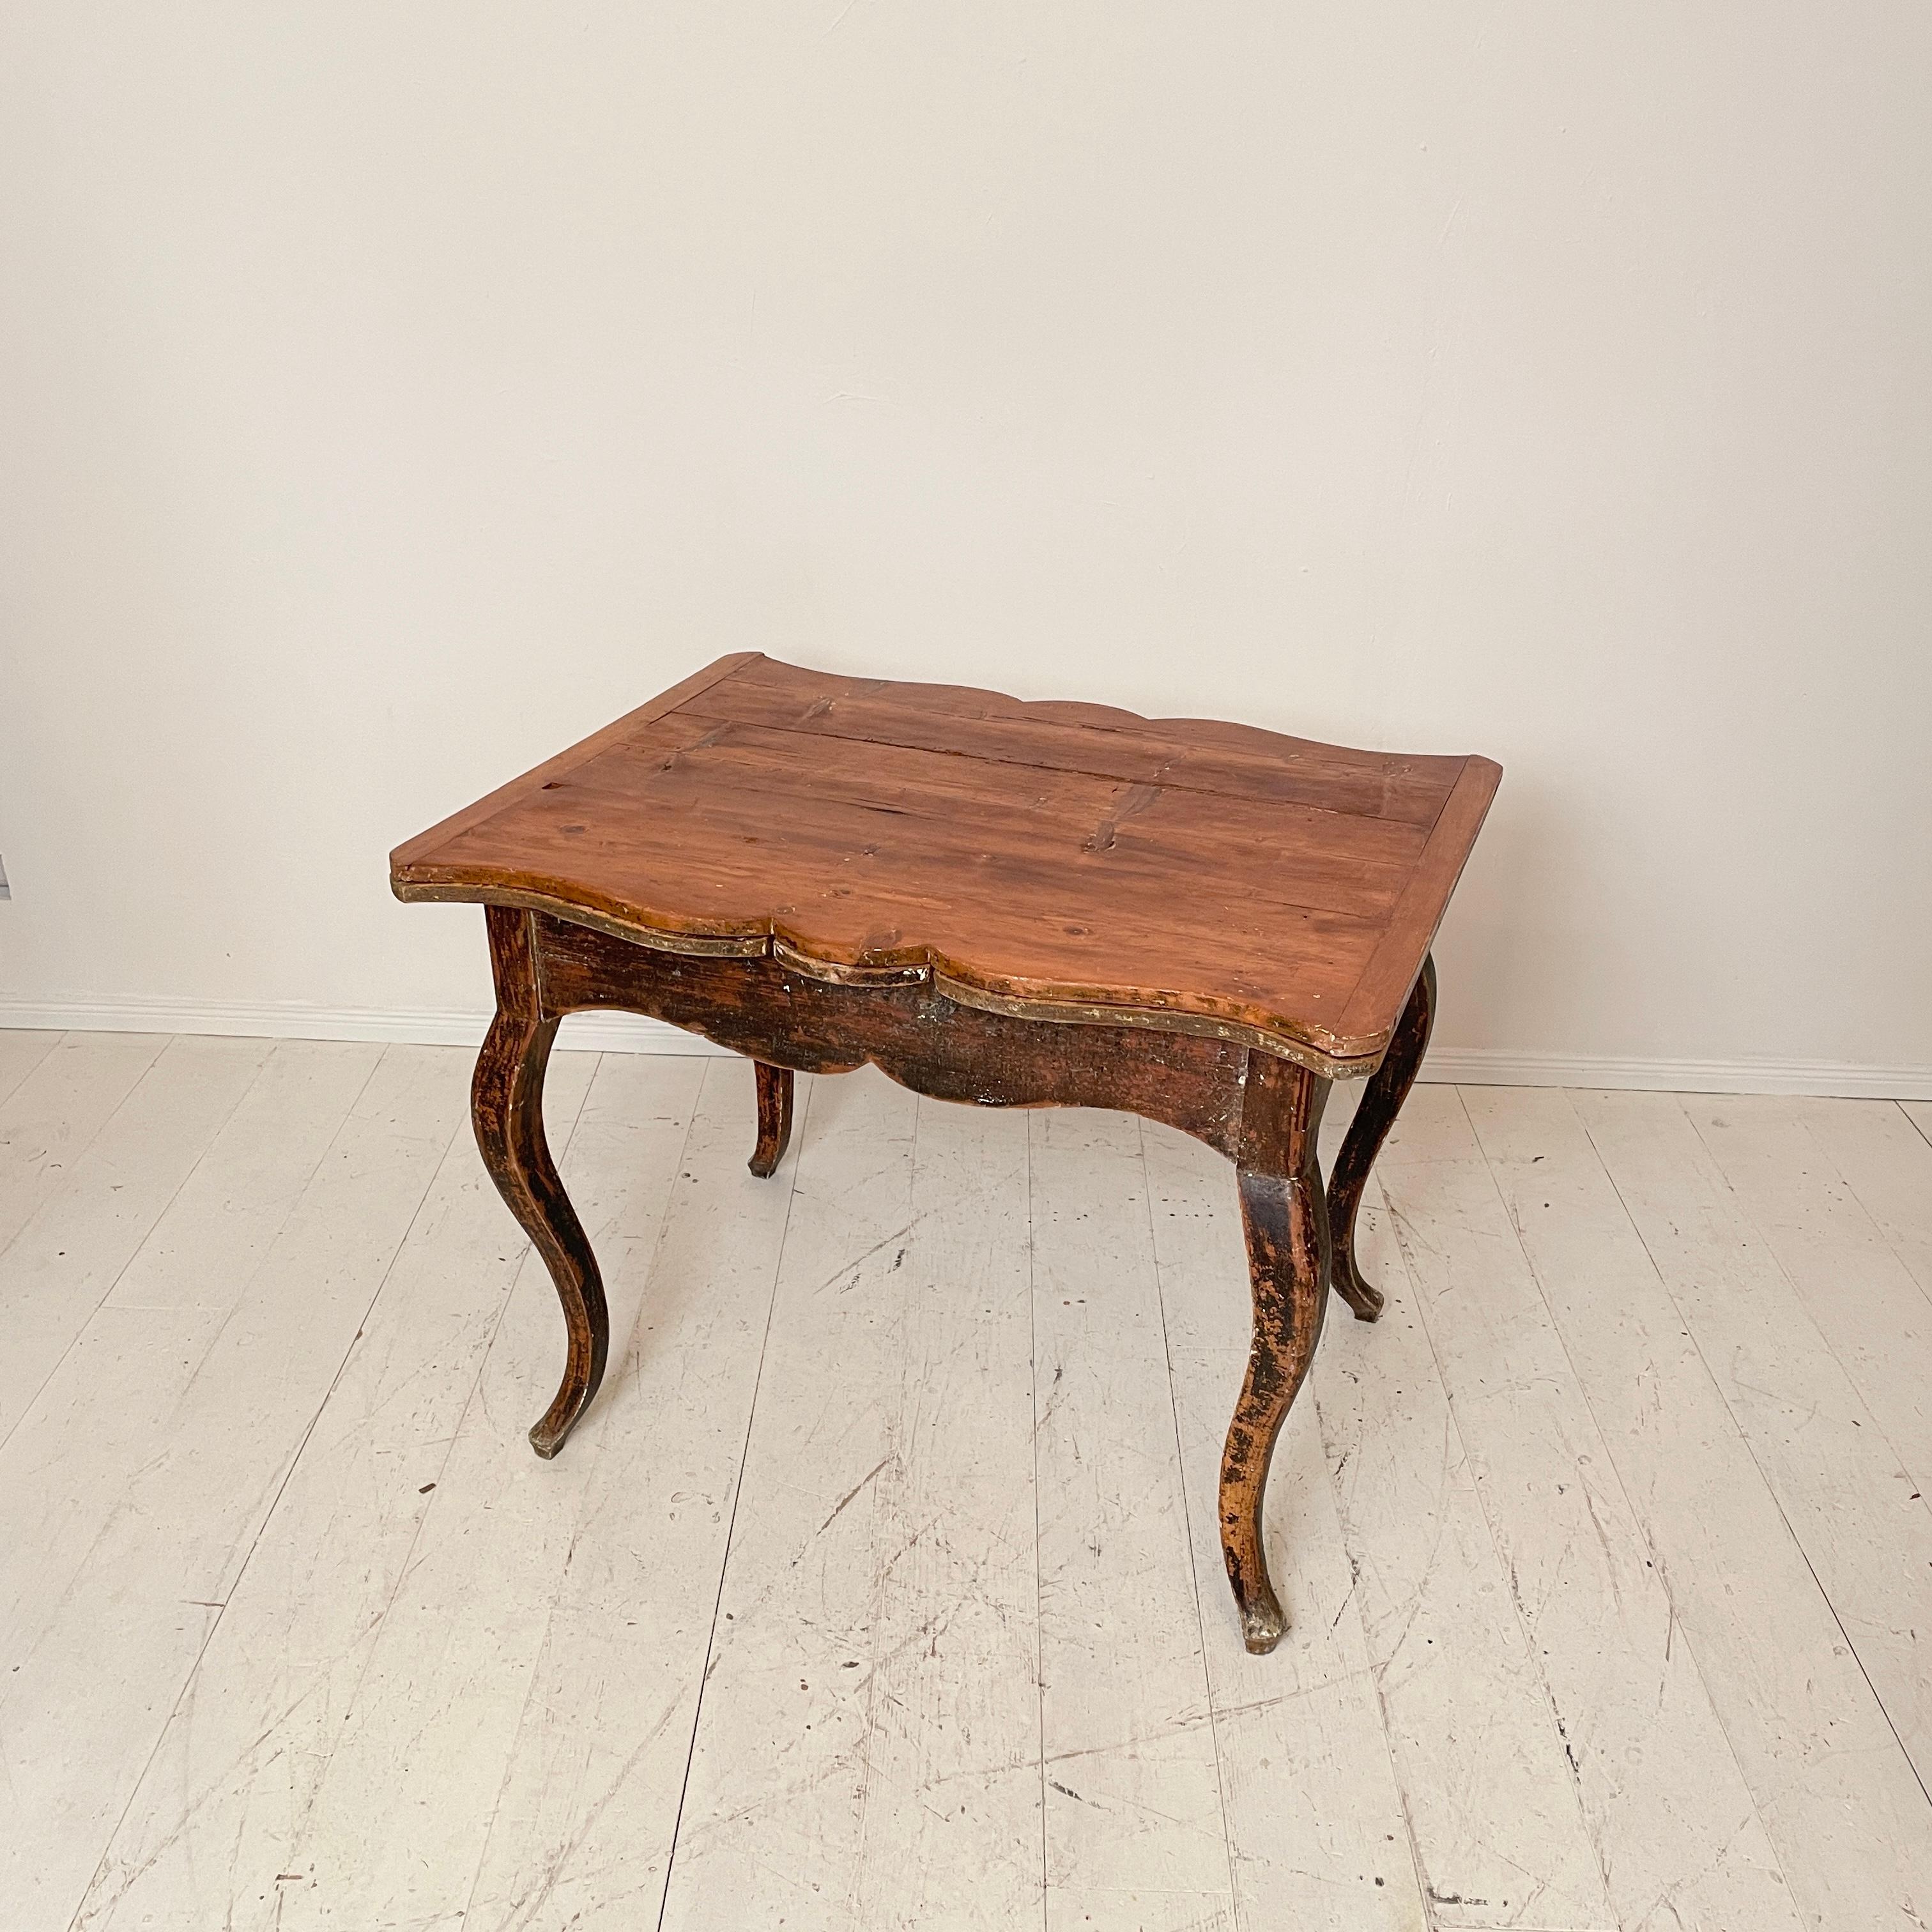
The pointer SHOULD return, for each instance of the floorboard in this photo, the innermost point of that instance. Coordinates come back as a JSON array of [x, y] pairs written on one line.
[[580, 1833], [400, 1815], [63, 1097], [1676, 1831], [1308, 1717], [1886, 1161], [1500, 1833], [63, 1263], [1865, 1529], [218, 1821], [1877, 1319], [774, 1806], [131, 1495], [881, 1587], [1846, 1816], [951, 1747], [20, 1052], [1136, 1831]]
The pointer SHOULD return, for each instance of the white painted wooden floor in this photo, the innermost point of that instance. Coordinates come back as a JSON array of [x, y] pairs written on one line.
[[879, 1588]]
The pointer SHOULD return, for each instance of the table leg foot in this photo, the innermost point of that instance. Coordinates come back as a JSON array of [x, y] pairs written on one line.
[[1381, 1103], [1285, 1216], [774, 1091], [506, 1109]]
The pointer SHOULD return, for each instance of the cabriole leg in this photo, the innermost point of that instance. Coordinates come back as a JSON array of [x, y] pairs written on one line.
[[1286, 1217], [775, 1085], [1381, 1103], [506, 1107]]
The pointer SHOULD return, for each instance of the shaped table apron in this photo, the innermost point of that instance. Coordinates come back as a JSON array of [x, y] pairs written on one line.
[[1260, 1108]]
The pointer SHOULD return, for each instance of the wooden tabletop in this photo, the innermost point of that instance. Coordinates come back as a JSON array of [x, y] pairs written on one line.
[[1065, 861]]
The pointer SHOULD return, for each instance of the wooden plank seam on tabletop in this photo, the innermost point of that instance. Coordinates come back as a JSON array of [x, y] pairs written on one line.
[[708, 823], [1133, 748], [613, 733]]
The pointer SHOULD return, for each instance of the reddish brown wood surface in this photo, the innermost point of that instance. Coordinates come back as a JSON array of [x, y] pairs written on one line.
[[1055, 860], [774, 1093], [1286, 1217], [786, 1019], [1375, 1115], [506, 1109]]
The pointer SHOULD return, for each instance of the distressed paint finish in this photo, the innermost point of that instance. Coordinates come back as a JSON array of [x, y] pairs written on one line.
[[1382, 1101], [1286, 1217], [506, 1107], [785, 1018], [774, 1086]]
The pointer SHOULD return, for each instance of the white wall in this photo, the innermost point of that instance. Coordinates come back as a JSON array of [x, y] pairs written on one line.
[[392, 394]]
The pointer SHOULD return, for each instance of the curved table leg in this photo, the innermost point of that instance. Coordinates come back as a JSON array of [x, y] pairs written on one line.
[[1286, 1217], [1381, 1103], [506, 1109], [774, 1086]]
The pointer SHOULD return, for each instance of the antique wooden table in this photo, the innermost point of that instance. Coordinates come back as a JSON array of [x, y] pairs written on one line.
[[1006, 904]]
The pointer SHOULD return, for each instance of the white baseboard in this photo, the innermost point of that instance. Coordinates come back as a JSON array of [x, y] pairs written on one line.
[[626, 1033], [1498, 1066], [430, 1026]]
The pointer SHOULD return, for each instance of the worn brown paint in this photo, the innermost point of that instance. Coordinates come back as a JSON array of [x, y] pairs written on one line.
[[774, 1086], [1285, 1220], [1381, 1103], [1001, 904], [506, 1106]]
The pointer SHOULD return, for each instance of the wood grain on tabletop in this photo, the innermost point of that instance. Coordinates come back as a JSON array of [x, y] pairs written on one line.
[[1056, 855]]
